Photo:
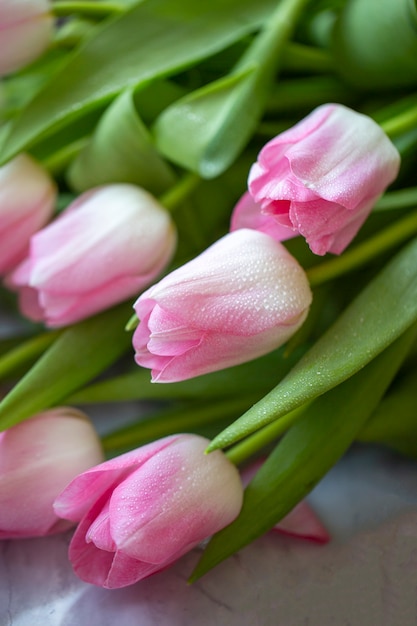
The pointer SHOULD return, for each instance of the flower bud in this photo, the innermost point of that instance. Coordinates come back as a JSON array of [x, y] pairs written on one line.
[[25, 32], [374, 43], [38, 458], [319, 179], [241, 298], [141, 511], [104, 248], [27, 199]]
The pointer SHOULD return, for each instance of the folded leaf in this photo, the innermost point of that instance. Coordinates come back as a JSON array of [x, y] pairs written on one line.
[[152, 39], [121, 151], [207, 129]]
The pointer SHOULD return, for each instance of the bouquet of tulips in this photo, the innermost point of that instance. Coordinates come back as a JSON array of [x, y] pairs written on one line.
[[194, 212]]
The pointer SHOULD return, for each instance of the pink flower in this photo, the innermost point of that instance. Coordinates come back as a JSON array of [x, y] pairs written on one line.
[[38, 458], [319, 179], [26, 28], [241, 298], [27, 199], [103, 249], [141, 511]]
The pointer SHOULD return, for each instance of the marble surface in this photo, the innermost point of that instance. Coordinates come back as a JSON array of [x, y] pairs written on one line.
[[367, 575]]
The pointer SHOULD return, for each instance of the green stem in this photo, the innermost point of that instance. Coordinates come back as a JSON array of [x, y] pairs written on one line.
[[302, 58], [185, 418], [399, 199], [393, 235], [401, 123], [250, 446], [180, 192], [307, 93], [90, 9], [26, 351]]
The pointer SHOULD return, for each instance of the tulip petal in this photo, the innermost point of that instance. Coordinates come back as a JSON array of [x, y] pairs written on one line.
[[248, 214], [321, 177], [242, 284], [78, 497], [302, 522]]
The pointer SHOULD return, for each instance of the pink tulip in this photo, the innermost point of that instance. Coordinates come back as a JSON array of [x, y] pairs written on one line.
[[241, 298], [319, 179], [27, 199], [26, 28], [141, 511], [101, 250], [38, 458]]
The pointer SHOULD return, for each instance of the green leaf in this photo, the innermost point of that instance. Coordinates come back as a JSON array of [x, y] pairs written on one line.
[[257, 376], [207, 129], [191, 417], [151, 40], [381, 312], [80, 353], [121, 150], [305, 454], [393, 422]]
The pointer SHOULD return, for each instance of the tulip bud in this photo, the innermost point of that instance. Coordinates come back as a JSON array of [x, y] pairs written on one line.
[[25, 32], [241, 298], [141, 511], [38, 458], [319, 179], [374, 43], [104, 248], [27, 199]]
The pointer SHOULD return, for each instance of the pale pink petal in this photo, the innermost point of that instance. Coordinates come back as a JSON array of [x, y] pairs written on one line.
[[302, 522], [104, 248], [25, 31], [239, 285], [323, 176], [248, 214], [38, 458], [187, 482], [80, 494]]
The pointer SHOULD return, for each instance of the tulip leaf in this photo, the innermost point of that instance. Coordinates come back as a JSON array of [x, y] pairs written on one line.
[[121, 150], [378, 315], [394, 423], [258, 376], [306, 453], [207, 129], [79, 354], [150, 40]]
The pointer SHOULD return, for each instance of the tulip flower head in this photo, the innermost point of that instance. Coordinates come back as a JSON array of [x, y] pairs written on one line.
[[26, 28], [241, 298], [104, 248], [27, 200], [319, 179], [38, 458], [141, 511]]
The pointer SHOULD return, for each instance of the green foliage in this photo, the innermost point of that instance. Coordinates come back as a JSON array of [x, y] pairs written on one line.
[[149, 41], [79, 354]]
